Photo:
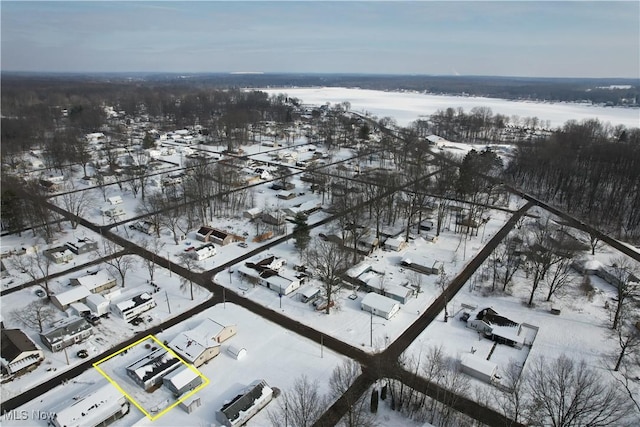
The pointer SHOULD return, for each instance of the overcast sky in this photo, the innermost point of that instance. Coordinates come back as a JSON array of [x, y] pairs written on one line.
[[536, 39]]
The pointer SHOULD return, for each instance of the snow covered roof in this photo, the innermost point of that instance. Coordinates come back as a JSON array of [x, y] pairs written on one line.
[[97, 299], [190, 344], [72, 295], [95, 280], [153, 364], [14, 343], [358, 269], [181, 377], [379, 302], [137, 300], [90, 408], [65, 327], [479, 364]]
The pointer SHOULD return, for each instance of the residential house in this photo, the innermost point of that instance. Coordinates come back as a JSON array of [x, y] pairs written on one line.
[[202, 343], [245, 405], [375, 282], [421, 265], [182, 380], [65, 333], [115, 200], [252, 213], [395, 244], [150, 370], [113, 211], [497, 328], [268, 273], [219, 237], [64, 300], [19, 353], [58, 255], [286, 195], [380, 305], [82, 246], [101, 405], [95, 282], [133, 307], [203, 252]]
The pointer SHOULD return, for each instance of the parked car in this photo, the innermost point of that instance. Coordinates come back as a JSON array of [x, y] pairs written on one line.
[[243, 245], [83, 354], [40, 293]]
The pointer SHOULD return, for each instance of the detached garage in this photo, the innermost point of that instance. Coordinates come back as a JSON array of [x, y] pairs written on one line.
[[479, 368], [380, 305]]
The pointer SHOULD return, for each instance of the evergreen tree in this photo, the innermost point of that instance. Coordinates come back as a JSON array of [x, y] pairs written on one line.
[[301, 232]]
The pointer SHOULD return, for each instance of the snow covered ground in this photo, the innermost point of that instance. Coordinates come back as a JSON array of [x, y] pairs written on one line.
[[406, 107], [273, 354]]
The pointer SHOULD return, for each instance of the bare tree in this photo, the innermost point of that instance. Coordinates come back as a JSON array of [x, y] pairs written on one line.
[[35, 315], [512, 397], [628, 340], [36, 265], [155, 247], [626, 284], [358, 414], [191, 264], [119, 260], [76, 203], [566, 393], [299, 407], [329, 263], [560, 276]]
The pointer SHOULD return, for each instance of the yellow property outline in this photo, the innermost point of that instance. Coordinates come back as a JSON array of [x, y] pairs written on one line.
[[205, 380]]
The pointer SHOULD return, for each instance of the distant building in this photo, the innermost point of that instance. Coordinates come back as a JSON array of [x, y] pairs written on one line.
[[65, 333], [82, 246], [245, 405], [59, 255]]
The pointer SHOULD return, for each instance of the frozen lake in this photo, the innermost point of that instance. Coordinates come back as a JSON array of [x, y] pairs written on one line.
[[406, 107]]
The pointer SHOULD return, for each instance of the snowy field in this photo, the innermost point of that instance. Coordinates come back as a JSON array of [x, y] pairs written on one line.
[[406, 107]]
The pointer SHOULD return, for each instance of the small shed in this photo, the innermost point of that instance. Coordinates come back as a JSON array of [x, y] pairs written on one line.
[[237, 352], [182, 380], [191, 403], [478, 367], [380, 305]]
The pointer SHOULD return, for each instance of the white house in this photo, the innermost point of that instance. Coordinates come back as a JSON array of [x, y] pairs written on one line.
[[113, 211], [204, 251], [202, 343], [395, 244], [380, 305], [95, 282], [130, 308], [281, 284], [245, 405], [65, 299], [100, 405], [115, 200]]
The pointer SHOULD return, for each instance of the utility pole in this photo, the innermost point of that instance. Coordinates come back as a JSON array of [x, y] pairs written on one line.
[[167, 296]]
